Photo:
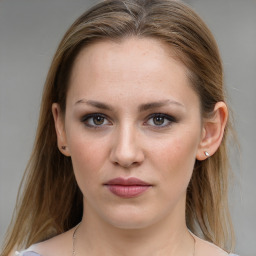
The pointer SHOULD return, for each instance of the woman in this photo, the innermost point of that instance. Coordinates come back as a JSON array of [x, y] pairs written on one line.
[[130, 154]]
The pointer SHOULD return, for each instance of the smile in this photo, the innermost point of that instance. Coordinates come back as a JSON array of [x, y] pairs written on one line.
[[127, 188]]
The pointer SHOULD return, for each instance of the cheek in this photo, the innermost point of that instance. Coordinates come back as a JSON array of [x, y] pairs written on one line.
[[88, 156], [176, 157]]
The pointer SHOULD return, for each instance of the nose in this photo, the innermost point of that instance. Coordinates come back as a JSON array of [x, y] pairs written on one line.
[[126, 151]]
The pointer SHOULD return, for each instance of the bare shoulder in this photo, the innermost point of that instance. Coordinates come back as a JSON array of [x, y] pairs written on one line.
[[206, 248], [58, 245]]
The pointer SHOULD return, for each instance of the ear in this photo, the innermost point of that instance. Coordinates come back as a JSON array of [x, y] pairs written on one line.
[[213, 131], [60, 129]]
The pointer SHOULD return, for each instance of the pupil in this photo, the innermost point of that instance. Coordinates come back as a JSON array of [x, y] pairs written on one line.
[[98, 120], [158, 120]]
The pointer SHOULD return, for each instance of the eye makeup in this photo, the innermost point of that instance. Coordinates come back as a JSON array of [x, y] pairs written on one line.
[[95, 120], [160, 120]]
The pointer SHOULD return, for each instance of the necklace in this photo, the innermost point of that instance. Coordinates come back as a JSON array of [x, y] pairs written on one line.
[[74, 241]]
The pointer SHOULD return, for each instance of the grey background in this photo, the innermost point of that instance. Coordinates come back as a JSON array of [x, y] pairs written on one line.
[[30, 31]]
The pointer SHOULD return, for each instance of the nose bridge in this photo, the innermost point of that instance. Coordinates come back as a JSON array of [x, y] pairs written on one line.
[[126, 150]]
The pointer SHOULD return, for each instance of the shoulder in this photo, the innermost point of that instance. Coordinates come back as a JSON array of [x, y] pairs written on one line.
[[26, 253], [60, 245], [206, 248]]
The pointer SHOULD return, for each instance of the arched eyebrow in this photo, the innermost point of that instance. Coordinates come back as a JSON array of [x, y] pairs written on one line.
[[158, 104], [142, 107], [96, 104]]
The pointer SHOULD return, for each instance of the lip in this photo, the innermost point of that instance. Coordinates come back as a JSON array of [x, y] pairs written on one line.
[[127, 188]]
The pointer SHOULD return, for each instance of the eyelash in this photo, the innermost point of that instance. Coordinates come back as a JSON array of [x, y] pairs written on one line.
[[86, 119], [170, 120], [166, 118]]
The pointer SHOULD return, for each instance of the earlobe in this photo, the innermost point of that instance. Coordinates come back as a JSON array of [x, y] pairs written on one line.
[[60, 129], [213, 131]]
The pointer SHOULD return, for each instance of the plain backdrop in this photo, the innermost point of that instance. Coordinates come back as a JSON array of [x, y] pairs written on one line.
[[30, 31]]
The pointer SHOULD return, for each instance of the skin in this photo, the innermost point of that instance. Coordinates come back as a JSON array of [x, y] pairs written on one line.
[[131, 139]]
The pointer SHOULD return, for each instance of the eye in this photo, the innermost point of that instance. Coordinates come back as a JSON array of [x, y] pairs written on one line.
[[95, 120], [160, 120]]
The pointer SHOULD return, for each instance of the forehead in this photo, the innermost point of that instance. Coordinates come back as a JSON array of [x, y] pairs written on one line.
[[130, 53], [142, 65]]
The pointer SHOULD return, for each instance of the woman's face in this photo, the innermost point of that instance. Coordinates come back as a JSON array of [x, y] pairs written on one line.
[[132, 127]]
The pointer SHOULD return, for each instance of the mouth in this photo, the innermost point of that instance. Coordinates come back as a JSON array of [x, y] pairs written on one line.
[[127, 188]]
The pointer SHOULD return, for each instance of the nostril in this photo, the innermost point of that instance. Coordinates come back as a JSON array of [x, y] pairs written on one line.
[[127, 164], [126, 151]]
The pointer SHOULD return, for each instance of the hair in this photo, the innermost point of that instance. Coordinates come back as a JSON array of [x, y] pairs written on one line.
[[49, 201]]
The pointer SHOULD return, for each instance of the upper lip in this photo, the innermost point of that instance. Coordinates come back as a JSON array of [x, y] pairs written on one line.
[[127, 182]]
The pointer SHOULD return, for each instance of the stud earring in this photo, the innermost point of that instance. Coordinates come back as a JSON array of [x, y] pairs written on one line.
[[63, 147], [206, 153]]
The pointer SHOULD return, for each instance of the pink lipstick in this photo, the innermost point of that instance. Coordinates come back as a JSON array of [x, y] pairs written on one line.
[[127, 188]]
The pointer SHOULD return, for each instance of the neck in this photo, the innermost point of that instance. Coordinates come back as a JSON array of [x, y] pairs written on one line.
[[169, 237]]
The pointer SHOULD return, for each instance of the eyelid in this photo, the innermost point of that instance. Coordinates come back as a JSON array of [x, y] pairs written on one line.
[[167, 116], [87, 116], [92, 115], [170, 118]]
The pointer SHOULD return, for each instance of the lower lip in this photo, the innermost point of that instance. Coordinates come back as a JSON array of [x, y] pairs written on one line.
[[127, 191]]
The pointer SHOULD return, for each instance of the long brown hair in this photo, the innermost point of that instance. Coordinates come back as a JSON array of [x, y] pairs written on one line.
[[49, 200]]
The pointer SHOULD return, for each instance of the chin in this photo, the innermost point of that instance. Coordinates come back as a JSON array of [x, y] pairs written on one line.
[[130, 218]]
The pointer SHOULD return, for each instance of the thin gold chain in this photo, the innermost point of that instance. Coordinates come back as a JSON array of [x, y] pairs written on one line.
[[74, 240], [194, 252]]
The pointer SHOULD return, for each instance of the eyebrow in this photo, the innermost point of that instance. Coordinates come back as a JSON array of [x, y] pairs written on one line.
[[96, 104], [142, 107], [158, 104]]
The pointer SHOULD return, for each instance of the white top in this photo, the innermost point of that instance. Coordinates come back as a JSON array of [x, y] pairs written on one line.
[[30, 253]]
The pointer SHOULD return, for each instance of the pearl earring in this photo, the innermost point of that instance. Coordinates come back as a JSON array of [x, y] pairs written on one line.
[[206, 153]]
